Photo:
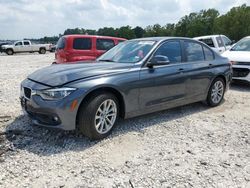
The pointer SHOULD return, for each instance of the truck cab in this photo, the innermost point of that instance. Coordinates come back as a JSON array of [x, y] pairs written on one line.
[[219, 43]]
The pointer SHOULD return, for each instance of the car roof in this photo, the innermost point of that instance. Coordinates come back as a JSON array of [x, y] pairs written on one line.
[[157, 39], [207, 36], [96, 36]]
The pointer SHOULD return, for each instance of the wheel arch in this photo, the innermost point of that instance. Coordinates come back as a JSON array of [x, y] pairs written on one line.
[[104, 89]]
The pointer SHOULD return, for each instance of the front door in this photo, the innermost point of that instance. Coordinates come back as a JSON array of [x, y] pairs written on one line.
[[164, 85]]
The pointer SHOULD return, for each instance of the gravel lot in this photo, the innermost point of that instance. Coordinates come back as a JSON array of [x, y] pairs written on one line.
[[190, 146]]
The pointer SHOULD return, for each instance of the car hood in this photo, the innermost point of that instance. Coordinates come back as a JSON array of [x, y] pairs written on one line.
[[7, 46], [58, 75], [240, 56]]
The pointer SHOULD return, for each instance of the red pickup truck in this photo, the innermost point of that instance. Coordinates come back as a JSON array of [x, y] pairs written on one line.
[[73, 48]]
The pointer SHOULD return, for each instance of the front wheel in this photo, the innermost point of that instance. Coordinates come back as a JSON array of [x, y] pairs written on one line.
[[9, 52], [98, 115], [216, 92]]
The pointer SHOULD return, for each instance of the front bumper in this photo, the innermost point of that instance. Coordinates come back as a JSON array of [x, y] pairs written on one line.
[[241, 72], [54, 114]]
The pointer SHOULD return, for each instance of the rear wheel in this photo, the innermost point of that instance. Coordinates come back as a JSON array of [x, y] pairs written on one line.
[[9, 52], [216, 92], [98, 115], [42, 51]]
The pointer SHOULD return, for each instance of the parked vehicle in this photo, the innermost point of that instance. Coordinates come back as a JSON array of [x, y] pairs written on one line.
[[219, 43], [53, 48], [135, 77], [1, 44], [73, 48], [25, 46], [239, 55]]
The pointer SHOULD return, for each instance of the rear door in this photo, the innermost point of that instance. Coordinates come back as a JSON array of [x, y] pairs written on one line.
[[162, 86], [27, 46], [198, 65], [103, 45]]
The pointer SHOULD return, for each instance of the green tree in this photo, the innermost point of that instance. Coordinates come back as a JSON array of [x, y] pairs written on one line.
[[235, 23], [125, 32], [138, 31]]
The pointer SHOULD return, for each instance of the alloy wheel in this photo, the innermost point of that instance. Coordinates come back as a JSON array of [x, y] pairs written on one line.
[[217, 92], [105, 116]]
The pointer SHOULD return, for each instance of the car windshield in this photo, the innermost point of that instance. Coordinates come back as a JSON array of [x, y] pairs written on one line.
[[128, 52], [242, 45]]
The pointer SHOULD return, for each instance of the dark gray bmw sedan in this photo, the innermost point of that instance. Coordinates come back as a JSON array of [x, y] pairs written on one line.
[[135, 77]]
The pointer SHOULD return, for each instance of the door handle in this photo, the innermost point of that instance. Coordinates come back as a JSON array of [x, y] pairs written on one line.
[[181, 69]]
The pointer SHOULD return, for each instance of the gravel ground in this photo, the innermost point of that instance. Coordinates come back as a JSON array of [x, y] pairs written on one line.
[[190, 146]]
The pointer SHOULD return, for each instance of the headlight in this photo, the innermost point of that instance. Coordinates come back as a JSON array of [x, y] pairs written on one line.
[[55, 94]]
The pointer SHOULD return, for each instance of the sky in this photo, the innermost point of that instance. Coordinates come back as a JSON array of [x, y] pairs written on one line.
[[38, 18]]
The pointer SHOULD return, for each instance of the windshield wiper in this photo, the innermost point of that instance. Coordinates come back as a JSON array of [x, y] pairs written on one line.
[[107, 60]]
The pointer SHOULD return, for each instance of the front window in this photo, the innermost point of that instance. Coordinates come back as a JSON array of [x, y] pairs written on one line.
[[19, 44], [242, 45], [128, 52], [171, 50]]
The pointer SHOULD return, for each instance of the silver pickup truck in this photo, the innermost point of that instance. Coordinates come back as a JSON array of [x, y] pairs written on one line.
[[26, 46]]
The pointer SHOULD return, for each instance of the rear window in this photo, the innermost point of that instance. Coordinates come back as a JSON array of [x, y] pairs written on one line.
[[104, 44], [208, 42], [61, 43], [82, 44]]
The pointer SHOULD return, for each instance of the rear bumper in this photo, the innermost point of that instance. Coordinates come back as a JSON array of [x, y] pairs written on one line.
[[241, 72]]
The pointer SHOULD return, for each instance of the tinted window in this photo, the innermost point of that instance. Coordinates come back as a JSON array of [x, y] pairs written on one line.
[[209, 55], [194, 51], [170, 49], [19, 44], [26, 43], [61, 43], [104, 44], [209, 42], [219, 41], [82, 43]]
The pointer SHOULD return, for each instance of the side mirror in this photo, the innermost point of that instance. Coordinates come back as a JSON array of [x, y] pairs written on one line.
[[158, 60]]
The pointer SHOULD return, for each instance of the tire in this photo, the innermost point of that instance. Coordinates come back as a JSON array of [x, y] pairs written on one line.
[[9, 52], [42, 51], [216, 92], [92, 122]]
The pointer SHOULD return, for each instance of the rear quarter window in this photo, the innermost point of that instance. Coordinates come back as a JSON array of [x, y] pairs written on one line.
[[219, 41], [209, 55], [82, 44], [61, 43]]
